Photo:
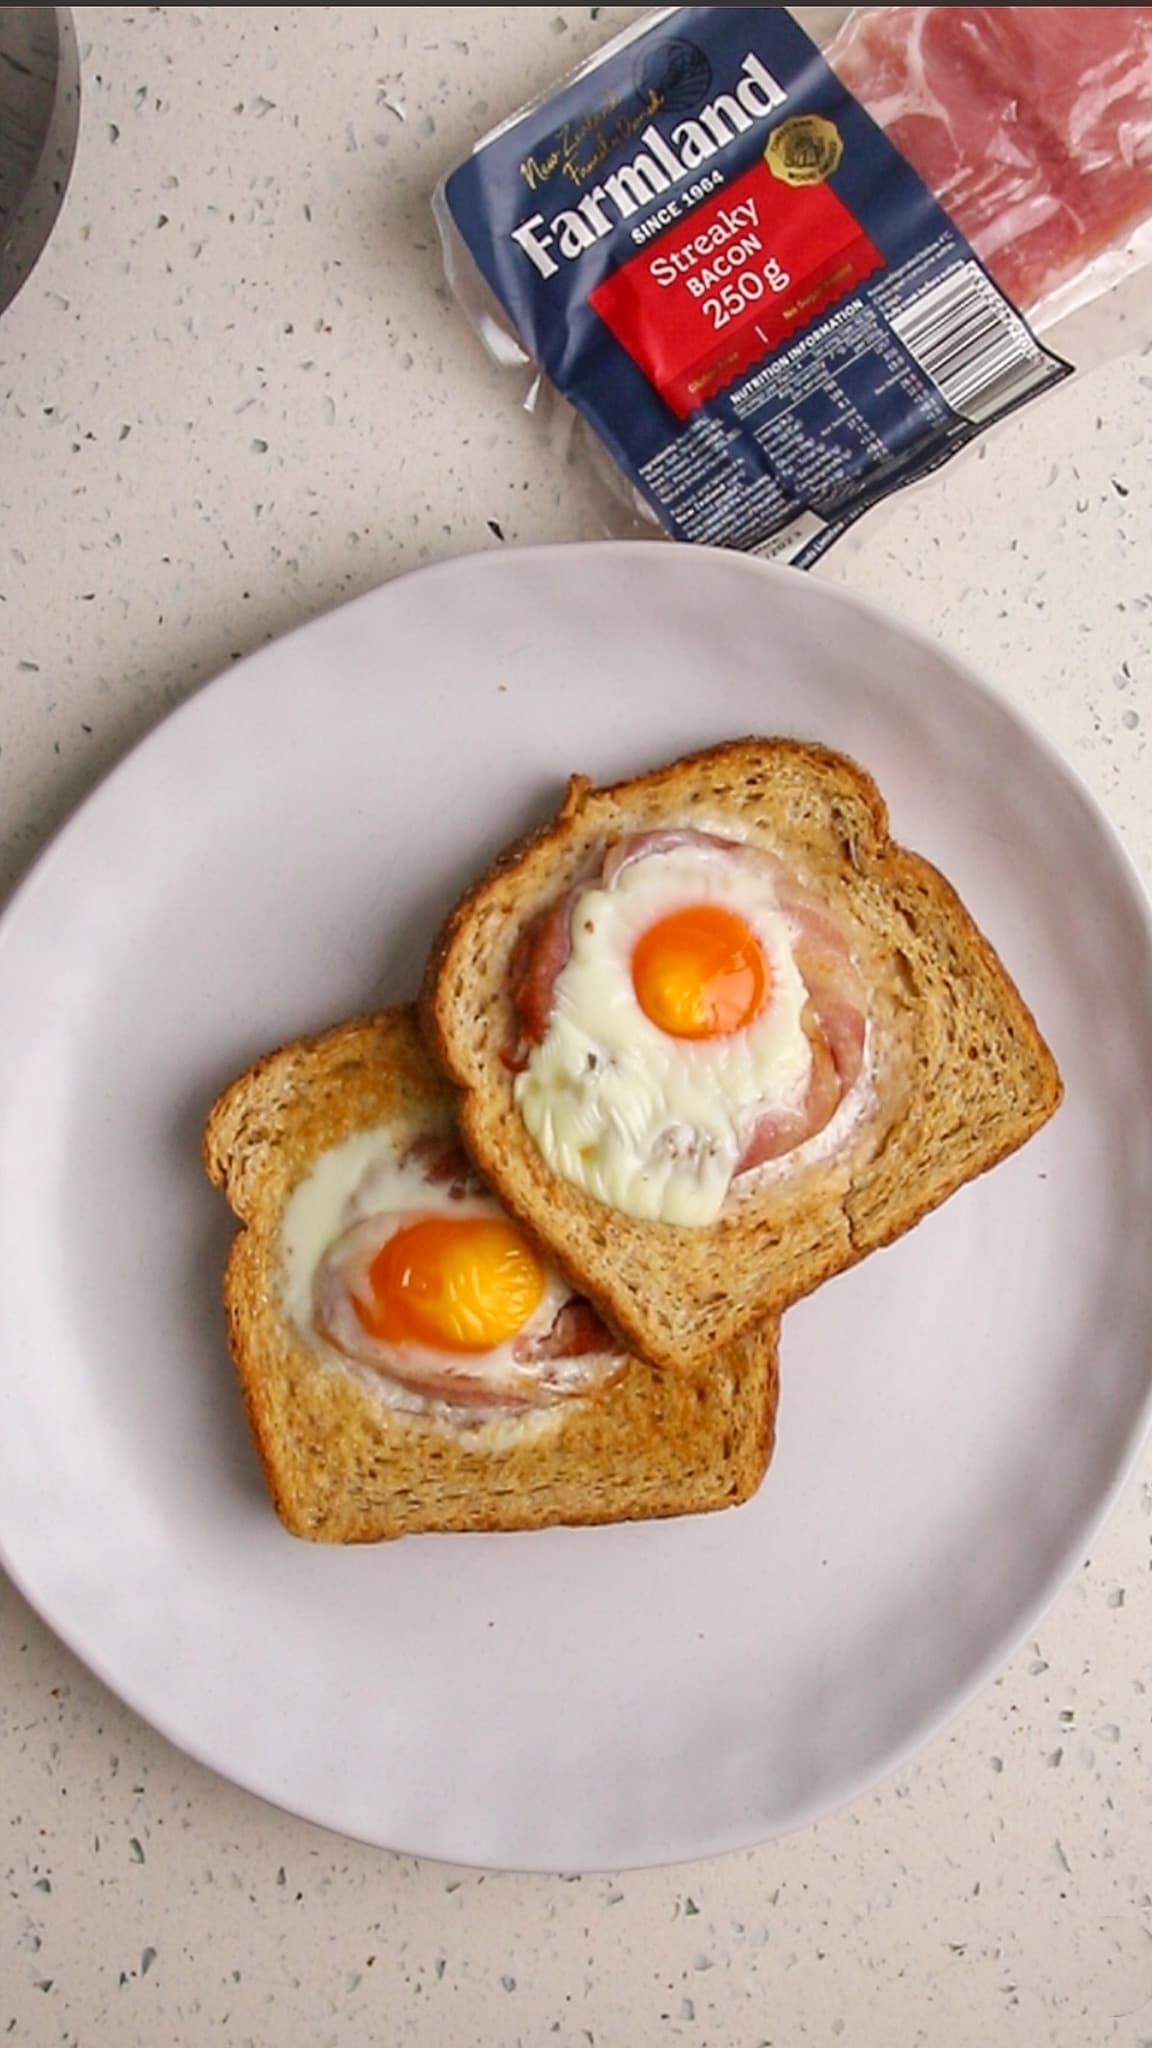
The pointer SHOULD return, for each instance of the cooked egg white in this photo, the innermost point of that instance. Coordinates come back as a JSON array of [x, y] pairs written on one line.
[[651, 1124], [358, 1194], [362, 1177]]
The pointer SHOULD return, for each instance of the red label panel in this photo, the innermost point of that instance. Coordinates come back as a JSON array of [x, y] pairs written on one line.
[[725, 286]]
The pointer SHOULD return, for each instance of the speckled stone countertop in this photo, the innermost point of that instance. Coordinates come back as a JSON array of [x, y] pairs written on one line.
[[233, 392]]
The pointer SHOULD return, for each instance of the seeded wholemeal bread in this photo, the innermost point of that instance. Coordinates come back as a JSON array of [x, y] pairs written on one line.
[[957, 1073], [343, 1467]]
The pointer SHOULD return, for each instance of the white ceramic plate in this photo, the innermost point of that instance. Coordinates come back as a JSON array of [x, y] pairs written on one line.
[[956, 1413]]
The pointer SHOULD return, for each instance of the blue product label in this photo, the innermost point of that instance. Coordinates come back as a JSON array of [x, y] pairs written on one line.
[[717, 255]]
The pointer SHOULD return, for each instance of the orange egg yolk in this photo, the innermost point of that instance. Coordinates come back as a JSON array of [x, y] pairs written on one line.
[[452, 1283], [701, 973]]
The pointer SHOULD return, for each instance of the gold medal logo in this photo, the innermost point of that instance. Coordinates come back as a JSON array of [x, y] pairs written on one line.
[[805, 150]]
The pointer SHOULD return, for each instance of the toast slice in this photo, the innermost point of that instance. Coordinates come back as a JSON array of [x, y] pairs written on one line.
[[958, 1074], [344, 1467]]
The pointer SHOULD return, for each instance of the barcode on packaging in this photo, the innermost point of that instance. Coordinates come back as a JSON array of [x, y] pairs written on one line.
[[982, 358]]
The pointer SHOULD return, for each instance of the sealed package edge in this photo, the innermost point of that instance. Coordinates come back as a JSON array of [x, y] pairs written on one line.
[[779, 283]]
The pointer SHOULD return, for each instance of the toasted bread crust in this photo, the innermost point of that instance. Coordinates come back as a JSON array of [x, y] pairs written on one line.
[[961, 1074], [343, 1468]]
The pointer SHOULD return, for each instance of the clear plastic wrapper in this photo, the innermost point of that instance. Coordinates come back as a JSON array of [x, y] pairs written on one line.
[[1032, 126], [780, 263]]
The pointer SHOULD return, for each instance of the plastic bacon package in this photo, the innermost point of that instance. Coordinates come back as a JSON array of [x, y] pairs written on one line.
[[782, 262]]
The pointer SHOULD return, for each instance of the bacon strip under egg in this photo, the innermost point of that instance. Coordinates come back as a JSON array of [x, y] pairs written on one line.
[[576, 1331], [835, 1016]]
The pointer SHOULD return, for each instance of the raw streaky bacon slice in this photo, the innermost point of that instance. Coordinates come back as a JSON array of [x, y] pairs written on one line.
[[1031, 125]]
